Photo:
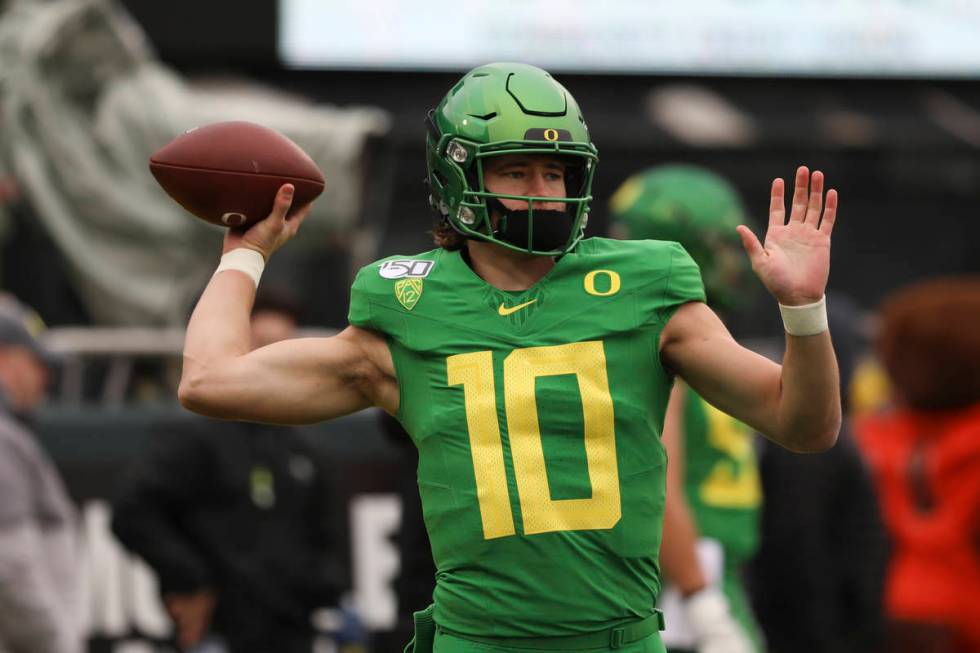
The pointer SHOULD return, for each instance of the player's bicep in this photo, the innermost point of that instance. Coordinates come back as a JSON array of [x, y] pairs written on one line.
[[697, 347], [297, 381]]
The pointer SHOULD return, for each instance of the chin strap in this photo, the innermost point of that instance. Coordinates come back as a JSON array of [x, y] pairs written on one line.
[[551, 229]]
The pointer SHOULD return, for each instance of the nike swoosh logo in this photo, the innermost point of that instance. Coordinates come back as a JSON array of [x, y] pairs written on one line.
[[504, 311]]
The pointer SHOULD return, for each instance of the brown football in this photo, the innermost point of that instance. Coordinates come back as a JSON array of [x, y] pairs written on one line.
[[228, 173]]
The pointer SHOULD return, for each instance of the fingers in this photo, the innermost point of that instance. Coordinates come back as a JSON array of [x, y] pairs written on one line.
[[829, 212], [808, 201], [816, 199], [284, 199], [750, 242], [777, 205], [798, 210], [295, 221]]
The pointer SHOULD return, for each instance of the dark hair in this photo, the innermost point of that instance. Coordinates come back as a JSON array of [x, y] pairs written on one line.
[[929, 343], [444, 236]]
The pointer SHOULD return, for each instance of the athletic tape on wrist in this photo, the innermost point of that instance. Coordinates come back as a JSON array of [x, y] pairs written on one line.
[[806, 320], [244, 260]]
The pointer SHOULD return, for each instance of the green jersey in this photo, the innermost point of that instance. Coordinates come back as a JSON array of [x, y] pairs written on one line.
[[721, 478], [537, 415]]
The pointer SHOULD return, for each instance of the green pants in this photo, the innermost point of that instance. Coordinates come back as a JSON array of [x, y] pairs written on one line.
[[446, 643]]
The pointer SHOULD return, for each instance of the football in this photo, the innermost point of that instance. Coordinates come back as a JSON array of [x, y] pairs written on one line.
[[228, 172]]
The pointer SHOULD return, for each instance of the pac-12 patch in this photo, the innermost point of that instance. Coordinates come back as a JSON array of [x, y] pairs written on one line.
[[408, 291], [400, 268]]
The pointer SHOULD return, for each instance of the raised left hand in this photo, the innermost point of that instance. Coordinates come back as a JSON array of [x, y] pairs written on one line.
[[794, 262]]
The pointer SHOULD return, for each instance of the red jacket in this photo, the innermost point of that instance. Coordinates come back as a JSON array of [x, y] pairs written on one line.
[[927, 471]]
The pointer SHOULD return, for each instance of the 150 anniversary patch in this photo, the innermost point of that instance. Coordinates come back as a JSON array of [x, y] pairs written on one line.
[[400, 268]]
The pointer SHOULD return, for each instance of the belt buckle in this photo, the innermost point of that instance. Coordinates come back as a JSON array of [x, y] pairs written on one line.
[[616, 637]]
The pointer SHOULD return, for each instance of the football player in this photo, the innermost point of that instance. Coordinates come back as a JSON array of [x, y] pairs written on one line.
[[532, 368], [713, 488]]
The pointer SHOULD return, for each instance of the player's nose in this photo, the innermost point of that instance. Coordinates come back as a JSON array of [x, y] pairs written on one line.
[[538, 187]]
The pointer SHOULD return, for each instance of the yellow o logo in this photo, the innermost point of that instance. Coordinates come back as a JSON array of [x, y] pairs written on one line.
[[613, 283], [551, 134]]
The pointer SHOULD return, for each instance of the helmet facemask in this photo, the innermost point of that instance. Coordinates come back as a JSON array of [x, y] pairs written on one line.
[[531, 230], [510, 109]]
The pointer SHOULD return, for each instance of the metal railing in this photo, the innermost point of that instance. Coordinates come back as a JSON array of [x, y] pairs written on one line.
[[116, 352]]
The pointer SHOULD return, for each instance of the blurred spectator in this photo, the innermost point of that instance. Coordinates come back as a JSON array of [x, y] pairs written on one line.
[[233, 518], [817, 577], [925, 455], [38, 583]]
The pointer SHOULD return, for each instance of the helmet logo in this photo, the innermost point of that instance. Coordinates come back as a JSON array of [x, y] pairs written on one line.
[[550, 134], [589, 283]]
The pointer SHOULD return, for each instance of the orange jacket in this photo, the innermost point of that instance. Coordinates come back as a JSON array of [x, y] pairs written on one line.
[[927, 471]]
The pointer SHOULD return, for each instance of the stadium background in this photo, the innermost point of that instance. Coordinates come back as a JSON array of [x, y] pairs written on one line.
[[902, 151]]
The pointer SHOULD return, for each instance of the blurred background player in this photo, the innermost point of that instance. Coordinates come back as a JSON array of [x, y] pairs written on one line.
[[711, 516], [39, 594], [925, 454], [233, 518]]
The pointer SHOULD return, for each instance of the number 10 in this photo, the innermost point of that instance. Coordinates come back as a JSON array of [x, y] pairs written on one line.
[[541, 514]]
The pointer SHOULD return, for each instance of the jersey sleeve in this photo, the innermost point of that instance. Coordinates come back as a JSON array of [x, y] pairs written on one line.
[[683, 282], [359, 314], [374, 302]]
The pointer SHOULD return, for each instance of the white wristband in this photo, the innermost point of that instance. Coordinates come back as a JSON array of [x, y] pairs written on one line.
[[244, 260], [806, 320]]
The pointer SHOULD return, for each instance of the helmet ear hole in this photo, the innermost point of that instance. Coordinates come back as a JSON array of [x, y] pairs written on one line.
[[440, 179], [431, 127]]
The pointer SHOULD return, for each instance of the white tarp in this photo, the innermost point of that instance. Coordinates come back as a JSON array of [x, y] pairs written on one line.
[[83, 104]]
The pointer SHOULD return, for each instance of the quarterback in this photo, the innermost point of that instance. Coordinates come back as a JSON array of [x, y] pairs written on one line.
[[532, 368]]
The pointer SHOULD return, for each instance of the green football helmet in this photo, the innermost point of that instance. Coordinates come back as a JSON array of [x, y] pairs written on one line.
[[509, 108], [698, 209]]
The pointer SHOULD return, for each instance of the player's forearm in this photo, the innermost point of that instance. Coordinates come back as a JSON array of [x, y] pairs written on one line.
[[678, 551], [218, 331], [809, 413]]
